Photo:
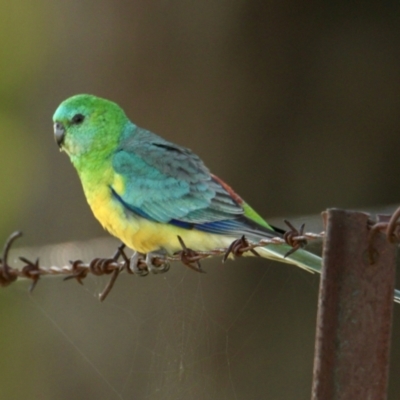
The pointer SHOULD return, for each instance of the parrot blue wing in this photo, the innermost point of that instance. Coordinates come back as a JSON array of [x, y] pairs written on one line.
[[168, 183], [165, 181]]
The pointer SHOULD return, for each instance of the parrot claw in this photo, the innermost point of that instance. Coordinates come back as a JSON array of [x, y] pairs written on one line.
[[134, 262], [157, 263]]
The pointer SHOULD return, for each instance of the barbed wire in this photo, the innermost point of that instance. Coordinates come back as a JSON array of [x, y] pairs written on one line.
[[139, 264]]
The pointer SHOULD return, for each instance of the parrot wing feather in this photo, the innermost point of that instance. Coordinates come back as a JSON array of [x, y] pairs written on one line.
[[165, 181], [168, 183]]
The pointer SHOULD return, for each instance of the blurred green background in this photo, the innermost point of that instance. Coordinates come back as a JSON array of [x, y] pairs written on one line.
[[294, 103]]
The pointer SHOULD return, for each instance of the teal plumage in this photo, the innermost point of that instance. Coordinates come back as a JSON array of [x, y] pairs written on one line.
[[147, 191]]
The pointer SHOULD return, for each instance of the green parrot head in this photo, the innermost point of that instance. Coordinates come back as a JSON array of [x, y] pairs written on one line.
[[86, 124]]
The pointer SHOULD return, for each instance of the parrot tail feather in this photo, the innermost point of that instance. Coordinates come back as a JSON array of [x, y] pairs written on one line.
[[301, 258]]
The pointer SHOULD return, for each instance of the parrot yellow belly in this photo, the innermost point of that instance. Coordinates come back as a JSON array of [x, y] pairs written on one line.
[[146, 236]]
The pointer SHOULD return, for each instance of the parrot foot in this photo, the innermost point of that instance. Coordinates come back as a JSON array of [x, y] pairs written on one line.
[[238, 247], [134, 264], [291, 238], [154, 262], [157, 263], [189, 257]]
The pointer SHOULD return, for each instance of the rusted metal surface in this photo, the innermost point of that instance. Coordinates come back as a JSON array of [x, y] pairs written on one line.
[[354, 311]]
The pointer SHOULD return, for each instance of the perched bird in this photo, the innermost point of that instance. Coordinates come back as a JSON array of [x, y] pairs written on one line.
[[147, 191]]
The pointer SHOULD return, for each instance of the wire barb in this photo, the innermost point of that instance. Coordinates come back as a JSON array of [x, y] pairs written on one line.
[[31, 271], [294, 237], [189, 257], [119, 262], [238, 247], [7, 274]]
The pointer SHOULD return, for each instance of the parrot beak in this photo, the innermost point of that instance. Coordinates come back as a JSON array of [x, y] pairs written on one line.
[[59, 133]]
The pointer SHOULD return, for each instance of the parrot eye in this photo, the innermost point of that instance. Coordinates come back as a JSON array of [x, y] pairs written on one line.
[[77, 119]]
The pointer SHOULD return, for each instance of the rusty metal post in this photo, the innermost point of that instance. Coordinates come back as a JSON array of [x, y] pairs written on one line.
[[354, 312]]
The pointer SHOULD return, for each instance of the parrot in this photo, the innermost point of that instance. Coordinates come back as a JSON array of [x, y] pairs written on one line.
[[149, 192]]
